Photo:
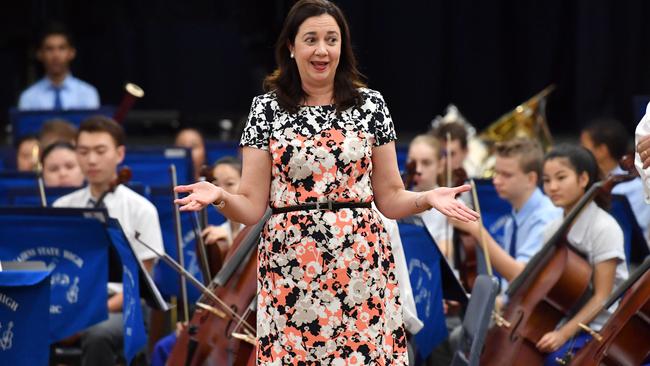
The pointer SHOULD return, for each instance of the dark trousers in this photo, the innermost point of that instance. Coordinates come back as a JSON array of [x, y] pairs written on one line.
[[102, 344]]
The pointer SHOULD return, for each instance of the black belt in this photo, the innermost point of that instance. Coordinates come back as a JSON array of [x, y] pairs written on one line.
[[321, 206]]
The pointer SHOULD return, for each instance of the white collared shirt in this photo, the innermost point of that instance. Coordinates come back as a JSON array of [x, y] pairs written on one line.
[[596, 234], [134, 213]]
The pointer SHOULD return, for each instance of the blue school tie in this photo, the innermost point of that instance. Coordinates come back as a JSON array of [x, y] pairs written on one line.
[[513, 238], [57, 98]]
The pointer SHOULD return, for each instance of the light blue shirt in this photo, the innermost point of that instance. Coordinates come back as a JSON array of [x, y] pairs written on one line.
[[75, 94], [633, 190], [531, 220]]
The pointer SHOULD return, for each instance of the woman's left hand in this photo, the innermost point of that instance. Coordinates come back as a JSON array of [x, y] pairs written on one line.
[[444, 200], [551, 341]]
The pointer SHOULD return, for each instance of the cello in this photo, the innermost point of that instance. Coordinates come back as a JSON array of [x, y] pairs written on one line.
[[216, 337], [551, 285], [621, 341]]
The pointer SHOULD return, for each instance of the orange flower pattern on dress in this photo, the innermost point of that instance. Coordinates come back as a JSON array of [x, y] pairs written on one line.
[[327, 289]]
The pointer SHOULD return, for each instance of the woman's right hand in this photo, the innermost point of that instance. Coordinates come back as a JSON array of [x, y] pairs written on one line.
[[200, 195]]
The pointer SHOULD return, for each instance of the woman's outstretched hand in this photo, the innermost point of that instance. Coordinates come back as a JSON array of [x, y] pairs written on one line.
[[200, 195], [444, 200]]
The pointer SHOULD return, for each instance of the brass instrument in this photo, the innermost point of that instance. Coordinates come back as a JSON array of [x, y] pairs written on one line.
[[526, 120]]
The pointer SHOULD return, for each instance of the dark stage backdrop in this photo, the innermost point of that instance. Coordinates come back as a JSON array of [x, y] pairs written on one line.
[[206, 59]]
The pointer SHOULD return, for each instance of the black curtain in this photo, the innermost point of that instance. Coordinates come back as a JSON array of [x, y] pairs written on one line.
[[207, 58]]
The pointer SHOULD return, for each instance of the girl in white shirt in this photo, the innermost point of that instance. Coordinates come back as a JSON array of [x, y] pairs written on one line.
[[227, 175], [569, 171]]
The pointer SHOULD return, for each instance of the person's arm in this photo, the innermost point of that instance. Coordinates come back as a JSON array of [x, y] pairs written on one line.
[[395, 202], [250, 202], [603, 280], [501, 260], [115, 303]]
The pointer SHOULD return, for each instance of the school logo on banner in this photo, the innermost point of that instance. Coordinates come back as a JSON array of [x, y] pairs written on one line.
[[75, 250], [24, 314]]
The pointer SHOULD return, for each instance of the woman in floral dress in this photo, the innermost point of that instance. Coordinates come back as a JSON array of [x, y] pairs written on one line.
[[327, 288]]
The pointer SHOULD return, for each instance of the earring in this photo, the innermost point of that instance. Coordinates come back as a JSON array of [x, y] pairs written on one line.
[[291, 55]]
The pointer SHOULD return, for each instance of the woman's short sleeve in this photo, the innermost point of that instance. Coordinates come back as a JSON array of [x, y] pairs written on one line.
[[257, 131], [384, 129]]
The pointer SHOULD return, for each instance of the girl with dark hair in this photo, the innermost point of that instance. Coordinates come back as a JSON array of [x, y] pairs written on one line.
[[227, 175], [319, 149], [569, 171]]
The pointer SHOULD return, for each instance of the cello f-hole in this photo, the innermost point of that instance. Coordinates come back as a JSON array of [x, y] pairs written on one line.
[[515, 326]]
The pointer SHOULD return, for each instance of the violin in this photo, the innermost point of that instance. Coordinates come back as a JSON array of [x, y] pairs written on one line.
[[215, 337], [464, 244], [549, 288], [124, 175], [211, 256], [621, 341]]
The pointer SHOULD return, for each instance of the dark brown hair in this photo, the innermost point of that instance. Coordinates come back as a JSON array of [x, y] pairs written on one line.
[[285, 80], [100, 123], [456, 131]]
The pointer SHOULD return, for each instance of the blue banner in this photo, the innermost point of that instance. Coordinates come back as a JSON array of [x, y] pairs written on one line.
[[423, 260], [75, 249], [134, 335], [24, 313], [167, 279]]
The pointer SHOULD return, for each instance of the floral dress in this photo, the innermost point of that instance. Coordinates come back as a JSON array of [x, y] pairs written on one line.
[[327, 289]]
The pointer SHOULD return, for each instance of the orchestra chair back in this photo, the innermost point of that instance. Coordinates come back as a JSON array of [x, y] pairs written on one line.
[[476, 322]]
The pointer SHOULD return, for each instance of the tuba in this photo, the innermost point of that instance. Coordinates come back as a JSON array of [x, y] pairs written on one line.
[[526, 120]]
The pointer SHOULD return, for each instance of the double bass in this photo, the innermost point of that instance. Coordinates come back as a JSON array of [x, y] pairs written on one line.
[[551, 285]]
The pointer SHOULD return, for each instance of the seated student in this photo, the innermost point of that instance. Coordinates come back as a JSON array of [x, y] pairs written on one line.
[[192, 139], [60, 166], [569, 171], [607, 140], [57, 130], [457, 146], [517, 174], [58, 90], [100, 149], [424, 151], [227, 174], [25, 159]]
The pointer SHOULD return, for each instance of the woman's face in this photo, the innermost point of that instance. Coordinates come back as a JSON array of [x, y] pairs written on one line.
[[61, 169], [316, 49], [192, 140], [427, 166], [562, 184], [226, 177]]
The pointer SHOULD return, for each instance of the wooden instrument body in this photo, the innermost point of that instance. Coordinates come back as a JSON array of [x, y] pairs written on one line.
[[626, 335], [215, 344], [465, 257], [538, 307]]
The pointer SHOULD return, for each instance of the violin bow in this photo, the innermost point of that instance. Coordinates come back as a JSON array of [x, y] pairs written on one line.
[[179, 243], [448, 163], [199, 286], [477, 207], [39, 174]]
